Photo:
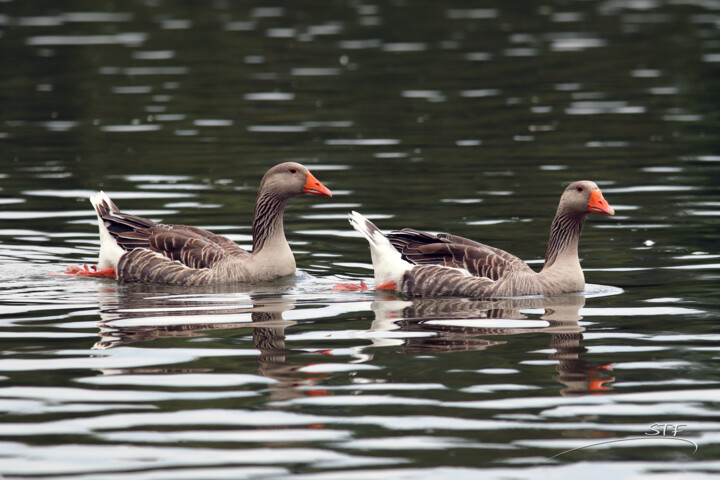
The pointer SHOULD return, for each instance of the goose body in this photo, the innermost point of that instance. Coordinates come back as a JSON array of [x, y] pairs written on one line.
[[418, 263], [140, 250]]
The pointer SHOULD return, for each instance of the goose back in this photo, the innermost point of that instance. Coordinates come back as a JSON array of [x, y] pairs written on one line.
[[478, 259]]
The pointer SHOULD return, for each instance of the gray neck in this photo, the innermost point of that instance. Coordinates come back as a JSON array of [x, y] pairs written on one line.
[[564, 235], [267, 223]]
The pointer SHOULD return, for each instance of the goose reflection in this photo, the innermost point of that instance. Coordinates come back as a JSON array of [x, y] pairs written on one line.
[[434, 325], [136, 312]]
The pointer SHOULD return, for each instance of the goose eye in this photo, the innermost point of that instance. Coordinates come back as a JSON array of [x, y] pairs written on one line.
[[580, 189], [293, 170]]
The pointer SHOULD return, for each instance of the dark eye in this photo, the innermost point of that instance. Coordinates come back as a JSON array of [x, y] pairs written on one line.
[[293, 170], [580, 188]]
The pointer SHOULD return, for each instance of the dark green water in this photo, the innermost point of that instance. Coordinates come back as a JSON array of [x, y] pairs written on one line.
[[445, 116]]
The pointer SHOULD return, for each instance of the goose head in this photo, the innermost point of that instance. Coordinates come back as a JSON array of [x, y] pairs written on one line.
[[291, 179], [585, 197]]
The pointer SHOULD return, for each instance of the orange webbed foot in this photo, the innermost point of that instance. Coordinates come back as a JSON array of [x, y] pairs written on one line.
[[604, 367], [85, 271], [599, 385], [387, 286], [350, 287]]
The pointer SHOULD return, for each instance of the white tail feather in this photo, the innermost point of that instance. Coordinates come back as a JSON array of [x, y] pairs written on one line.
[[387, 261], [110, 251]]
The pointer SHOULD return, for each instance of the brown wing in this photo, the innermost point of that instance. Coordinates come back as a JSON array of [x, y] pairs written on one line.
[[422, 248], [191, 246], [438, 280], [125, 228], [144, 265]]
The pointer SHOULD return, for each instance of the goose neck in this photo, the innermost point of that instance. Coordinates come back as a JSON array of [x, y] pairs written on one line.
[[564, 235], [267, 223]]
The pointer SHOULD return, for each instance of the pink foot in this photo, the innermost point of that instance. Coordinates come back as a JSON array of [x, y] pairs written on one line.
[[350, 287], [605, 367], [387, 286], [86, 271], [599, 385]]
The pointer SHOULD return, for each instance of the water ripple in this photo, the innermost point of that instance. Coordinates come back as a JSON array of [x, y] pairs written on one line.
[[474, 123], [270, 96], [604, 107], [131, 128], [121, 357], [363, 141], [131, 39]]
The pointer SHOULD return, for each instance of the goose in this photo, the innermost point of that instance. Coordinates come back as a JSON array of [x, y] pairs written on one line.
[[417, 263], [135, 249]]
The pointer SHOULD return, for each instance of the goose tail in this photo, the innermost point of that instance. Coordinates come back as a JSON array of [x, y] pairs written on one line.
[[110, 251], [387, 261]]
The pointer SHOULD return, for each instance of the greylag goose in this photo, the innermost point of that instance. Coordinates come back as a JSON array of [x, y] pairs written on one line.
[[134, 249], [417, 263]]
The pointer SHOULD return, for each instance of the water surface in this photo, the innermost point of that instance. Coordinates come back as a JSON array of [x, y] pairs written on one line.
[[444, 117]]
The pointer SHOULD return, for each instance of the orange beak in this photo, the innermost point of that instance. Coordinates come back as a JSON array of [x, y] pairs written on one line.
[[598, 204], [314, 187]]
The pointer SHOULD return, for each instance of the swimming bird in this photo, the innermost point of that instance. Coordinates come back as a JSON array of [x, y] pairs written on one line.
[[140, 250], [418, 263]]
